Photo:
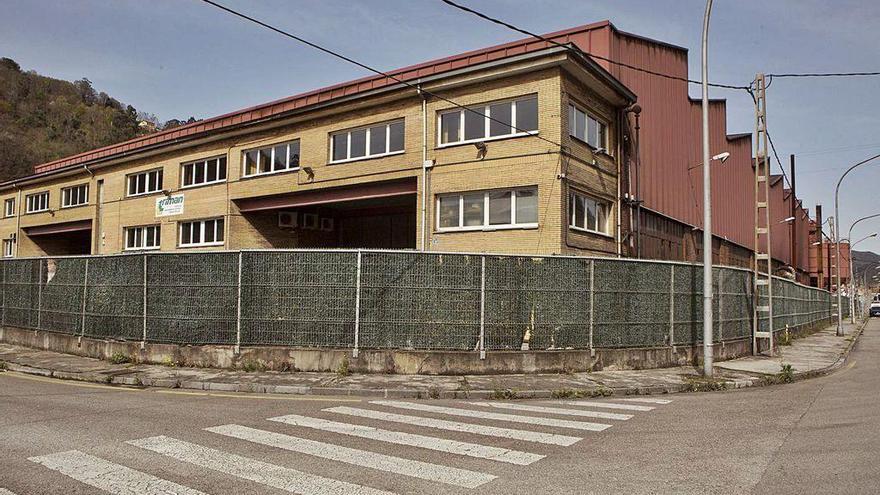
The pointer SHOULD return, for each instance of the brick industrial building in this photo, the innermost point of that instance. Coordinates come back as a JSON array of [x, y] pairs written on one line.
[[554, 165]]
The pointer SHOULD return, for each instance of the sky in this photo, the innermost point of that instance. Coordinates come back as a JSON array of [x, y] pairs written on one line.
[[182, 58]]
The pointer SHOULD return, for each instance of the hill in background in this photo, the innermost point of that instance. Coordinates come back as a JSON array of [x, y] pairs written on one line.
[[43, 119]]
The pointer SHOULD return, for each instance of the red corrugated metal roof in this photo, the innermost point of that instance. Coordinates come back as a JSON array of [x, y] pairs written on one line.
[[301, 100]]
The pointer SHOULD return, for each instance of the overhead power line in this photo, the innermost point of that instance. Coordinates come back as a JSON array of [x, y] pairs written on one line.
[[827, 74], [581, 51], [369, 68]]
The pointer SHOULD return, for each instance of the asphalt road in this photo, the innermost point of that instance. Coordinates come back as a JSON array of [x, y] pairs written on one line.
[[814, 436]]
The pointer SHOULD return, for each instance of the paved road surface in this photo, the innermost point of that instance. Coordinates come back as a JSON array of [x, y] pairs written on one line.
[[816, 436]]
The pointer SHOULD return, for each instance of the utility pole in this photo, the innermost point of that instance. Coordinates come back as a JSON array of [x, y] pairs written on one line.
[[763, 266], [792, 229], [819, 259]]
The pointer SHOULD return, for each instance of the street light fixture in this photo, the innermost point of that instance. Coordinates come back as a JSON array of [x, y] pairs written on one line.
[[788, 220], [707, 202], [837, 235], [852, 291]]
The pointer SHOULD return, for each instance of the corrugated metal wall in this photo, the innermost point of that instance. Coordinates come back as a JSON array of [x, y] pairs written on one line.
[[671, 150]]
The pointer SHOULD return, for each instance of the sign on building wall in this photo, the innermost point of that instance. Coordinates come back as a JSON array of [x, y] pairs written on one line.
[[169, 205]]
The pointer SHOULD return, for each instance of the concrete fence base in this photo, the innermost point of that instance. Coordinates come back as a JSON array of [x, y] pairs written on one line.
[[377, 361]]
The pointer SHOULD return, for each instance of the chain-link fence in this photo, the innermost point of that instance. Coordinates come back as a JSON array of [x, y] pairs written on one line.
[[393, 300]]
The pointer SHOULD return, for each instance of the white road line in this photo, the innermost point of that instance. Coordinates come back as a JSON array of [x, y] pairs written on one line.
[[363, 458], [647, 400], [452, 411], [422, 441], [108, 476], [553, 410], [4, 491], [442, 424], [250, 469], [606, 405]]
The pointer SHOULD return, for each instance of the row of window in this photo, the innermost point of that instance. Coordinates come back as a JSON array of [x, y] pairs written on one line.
[[515, 208], [193, 233], [34, 203], [492, 121]]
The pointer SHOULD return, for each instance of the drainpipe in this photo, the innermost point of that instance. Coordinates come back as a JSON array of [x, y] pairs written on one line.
[[619, 212], [425, 189], [18, 208]]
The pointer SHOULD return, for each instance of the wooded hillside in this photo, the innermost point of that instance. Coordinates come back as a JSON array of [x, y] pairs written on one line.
[[43, 119]]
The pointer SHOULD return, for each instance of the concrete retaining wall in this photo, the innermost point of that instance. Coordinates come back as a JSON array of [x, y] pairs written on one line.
[[375, 361]]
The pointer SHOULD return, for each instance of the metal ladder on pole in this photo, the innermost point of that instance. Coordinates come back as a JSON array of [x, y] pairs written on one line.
[[763, 261]]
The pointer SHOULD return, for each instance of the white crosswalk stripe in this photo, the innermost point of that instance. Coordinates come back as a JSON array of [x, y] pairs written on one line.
[[4, 491], [109, 476], [422, 441], [647, 400], [606, 405], [363, 458], [553, 410], [532, 420], [250, 469], [442, 424]]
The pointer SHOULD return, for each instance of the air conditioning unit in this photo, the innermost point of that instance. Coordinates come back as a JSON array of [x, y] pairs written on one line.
[[310, 221], [288, 220]]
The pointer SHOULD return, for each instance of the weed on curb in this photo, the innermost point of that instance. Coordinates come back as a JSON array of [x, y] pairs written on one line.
[[504, 394], [252, 366], [700, 384], [2, 365]]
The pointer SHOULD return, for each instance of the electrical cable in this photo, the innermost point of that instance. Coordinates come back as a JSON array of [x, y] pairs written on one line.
[[371, 69], [581, 51]]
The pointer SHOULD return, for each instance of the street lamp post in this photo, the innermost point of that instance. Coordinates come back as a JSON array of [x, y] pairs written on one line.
[[852, 289], [707, 204], [852, 304], [837, 239]]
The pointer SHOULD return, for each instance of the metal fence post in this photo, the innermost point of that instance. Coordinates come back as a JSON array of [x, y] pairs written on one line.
[[238, 309], [40, 294], [85, 296], [592, 304], [357, 306], [672, 307], [144, 316], [482, 343]]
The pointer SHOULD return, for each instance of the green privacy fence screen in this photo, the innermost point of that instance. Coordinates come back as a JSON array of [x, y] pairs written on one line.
[[391, 300]]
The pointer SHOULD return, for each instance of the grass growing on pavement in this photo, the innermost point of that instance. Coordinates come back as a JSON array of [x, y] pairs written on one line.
[[342, 369], [120, 358], [504, 394], [701, 384], [254, 365], [570, 393], [2, 365], [787, 374], [785, 338]]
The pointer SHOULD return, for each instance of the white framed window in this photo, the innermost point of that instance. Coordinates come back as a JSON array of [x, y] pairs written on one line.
[[367, 142], [75, 196], [488, 210], [8, 248], [202, 233], [271, 159], [587, 128], [143, 237], [144, 182], [495, 120], [9, 208], [37, 202], [210, 171], [588, 214]]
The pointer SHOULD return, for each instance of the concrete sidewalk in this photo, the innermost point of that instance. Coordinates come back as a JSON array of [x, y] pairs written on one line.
[[819, 353]]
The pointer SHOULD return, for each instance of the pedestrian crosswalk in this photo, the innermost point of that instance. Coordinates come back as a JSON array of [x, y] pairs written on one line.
[[461, 441]]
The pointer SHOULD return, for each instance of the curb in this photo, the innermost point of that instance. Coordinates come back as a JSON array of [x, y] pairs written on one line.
[[130, 379]]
